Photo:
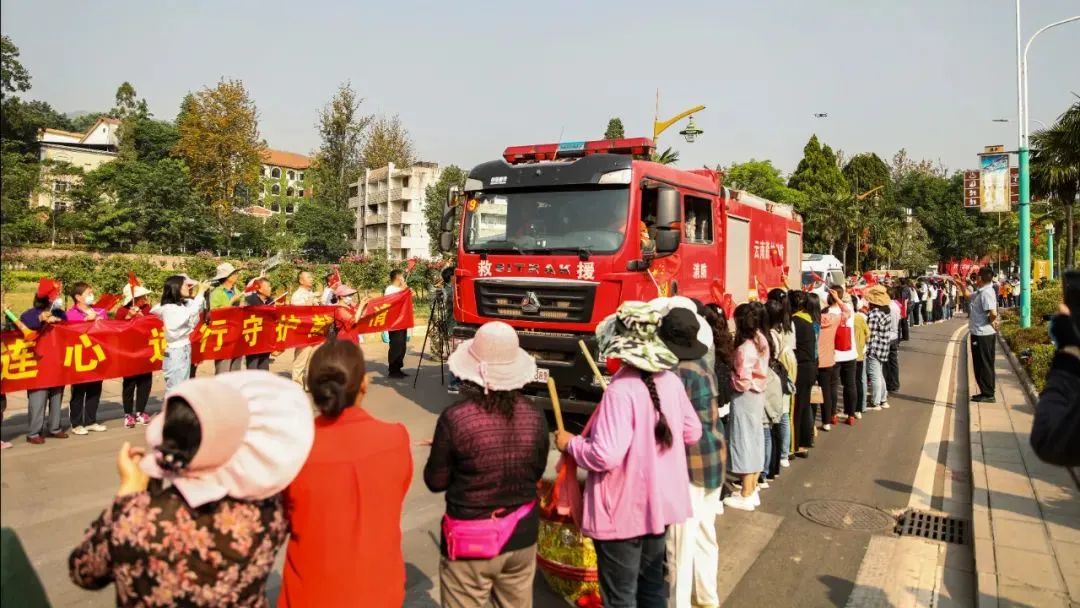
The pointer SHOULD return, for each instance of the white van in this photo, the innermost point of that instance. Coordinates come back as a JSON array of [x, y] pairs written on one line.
[[827, 267]]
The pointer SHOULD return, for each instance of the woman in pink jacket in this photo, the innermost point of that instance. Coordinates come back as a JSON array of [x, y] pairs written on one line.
[[638, 483], [750, 371]]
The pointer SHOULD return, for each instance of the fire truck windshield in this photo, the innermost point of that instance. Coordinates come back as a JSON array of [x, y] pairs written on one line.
[[539, 221]]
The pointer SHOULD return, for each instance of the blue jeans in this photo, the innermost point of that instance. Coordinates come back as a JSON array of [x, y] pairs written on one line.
[[176, 366], [875, 370], [860, 379], [768, 452], [785, 435]]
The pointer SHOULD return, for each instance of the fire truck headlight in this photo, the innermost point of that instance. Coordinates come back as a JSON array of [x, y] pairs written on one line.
[[621, 176]]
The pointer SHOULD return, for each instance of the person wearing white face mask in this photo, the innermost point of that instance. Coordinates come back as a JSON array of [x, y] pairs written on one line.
[[85, 396], [348, 311]]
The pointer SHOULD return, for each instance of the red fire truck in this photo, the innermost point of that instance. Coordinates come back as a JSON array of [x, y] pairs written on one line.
[[551, 238]]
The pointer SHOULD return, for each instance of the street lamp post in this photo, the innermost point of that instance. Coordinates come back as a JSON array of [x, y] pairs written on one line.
[[1025, 169], [690, 133], [1050, 247]]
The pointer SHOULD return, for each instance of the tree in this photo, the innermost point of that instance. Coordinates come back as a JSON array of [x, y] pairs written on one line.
[[1055, 168], [870, 183], [83, 122], [153, 139], [387, 142], [324, 229], [916, 252], [219, 142], [20, 171], [828, 206], [615, 129], [761, 178], [339, 160], [817, 172], [667, 157], [129, 110], [13, 76], [20, 121], [435, 202]]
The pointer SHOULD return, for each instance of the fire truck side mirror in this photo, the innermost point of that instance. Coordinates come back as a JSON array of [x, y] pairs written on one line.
[[446, 241], [453, 197], [667, 241], [668, 208]]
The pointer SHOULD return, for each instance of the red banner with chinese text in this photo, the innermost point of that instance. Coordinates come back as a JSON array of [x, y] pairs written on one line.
[[70, 353]]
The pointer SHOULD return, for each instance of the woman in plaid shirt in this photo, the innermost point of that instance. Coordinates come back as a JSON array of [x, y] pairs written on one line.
[[877, 348]]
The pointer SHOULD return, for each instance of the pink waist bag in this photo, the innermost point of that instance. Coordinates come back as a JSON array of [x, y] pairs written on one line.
[[481, 538]]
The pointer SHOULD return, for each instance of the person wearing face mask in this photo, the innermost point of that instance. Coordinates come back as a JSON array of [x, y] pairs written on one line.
[[40, 315], [261, 296], [348, 311], [85, 396], [136, 389]]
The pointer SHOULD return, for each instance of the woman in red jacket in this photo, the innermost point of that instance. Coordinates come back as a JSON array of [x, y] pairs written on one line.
[[344, 507]]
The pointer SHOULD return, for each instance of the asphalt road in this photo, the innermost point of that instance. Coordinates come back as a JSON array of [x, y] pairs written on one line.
[[771, 557]]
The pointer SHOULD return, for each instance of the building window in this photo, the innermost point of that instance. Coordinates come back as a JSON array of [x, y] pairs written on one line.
[[291, 174], [301, 178], [289, 207], [697, 216], [300, 192], [275, 189], [275, 207], [406, 230], [289, 191], [354, 191], [60, 187], [275, 172], [405, 182]]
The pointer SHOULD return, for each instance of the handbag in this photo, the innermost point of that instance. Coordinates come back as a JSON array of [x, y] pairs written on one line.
[[481, 538], [786, 385], [843, 337]]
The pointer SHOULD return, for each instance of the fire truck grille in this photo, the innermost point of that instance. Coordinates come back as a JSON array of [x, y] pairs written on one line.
[[520, 300]]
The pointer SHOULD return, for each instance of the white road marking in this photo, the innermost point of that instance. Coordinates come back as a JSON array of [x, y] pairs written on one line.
[[922, 489]]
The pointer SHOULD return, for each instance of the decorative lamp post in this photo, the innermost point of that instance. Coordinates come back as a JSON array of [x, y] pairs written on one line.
[[691, 131], [1050, 247]]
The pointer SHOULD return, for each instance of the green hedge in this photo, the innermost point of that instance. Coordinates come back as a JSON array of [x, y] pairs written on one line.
[[1036, 338]]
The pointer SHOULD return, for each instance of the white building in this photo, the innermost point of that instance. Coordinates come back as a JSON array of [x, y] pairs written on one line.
[[281, 183], [74, 151], [389, 205]]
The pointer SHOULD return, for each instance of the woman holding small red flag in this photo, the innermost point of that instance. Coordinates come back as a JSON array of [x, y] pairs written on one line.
[[136, 389]]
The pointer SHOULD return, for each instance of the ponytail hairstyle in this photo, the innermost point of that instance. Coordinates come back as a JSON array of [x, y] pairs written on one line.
[[181, 436], [661, 431], [747, 323], [335, 375], [813, 307]]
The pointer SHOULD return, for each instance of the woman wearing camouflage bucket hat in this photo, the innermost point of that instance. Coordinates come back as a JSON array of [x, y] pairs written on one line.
[[638, 483]]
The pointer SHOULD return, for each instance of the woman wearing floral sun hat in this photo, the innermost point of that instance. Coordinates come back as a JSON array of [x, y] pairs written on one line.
[[638, 482]]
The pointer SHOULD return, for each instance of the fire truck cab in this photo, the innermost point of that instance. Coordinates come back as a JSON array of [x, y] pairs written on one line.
[[551, 238]]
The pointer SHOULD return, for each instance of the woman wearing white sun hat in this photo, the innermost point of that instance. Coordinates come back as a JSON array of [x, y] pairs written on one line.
[[489, 451]]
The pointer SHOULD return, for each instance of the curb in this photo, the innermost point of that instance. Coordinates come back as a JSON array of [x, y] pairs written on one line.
[[1021, 373]]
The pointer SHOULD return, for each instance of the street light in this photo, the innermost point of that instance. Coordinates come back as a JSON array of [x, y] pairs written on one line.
[[1050, 247], [691, 131], [1025, 170]]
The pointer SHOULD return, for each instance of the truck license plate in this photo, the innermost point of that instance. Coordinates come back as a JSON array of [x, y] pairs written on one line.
[[541, 375]]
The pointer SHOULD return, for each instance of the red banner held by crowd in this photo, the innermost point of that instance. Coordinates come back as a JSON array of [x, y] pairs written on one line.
[[70, 353]]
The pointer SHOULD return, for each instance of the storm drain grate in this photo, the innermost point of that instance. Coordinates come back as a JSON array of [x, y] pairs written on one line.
[[932, 526], [846, 515]]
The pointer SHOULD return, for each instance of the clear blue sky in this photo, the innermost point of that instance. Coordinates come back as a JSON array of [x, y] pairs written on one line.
[[469, 78]]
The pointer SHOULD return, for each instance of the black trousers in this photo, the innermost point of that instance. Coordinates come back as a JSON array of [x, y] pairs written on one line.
[[260, 361], [892, 367], [905, 330], [827, 378], [84, 403], [396, 356], [136, 392], [845, 371], [804, 412], [982, 360], [632, 571], [915, 312]]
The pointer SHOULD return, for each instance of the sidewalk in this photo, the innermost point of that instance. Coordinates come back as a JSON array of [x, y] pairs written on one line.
[[1026, 513]]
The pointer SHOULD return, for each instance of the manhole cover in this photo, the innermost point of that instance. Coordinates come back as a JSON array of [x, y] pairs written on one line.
[[932, 525], [845, 515]]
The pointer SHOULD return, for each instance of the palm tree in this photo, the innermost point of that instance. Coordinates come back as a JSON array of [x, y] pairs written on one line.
[[667, 157], [1055, 167]]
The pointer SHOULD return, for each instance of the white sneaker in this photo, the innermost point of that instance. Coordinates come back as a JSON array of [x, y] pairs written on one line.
[[80, 430], [720, 508], [740, 502], [826, 427], [756, 498], [97, 427], [872, 408], [858, 415], [885, 405], [785, 463], [763, 485]]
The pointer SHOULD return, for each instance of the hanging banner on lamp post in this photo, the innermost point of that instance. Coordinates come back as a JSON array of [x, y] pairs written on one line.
[[971, 190], [994, 182]]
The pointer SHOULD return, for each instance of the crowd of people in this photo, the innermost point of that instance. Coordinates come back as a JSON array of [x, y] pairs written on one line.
[[183, 303], [700, 414]]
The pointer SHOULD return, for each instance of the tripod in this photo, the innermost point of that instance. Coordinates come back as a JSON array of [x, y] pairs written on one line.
[[438, 322]]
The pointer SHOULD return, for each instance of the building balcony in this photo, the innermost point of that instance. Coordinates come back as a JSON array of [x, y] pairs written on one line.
[[374, 218]]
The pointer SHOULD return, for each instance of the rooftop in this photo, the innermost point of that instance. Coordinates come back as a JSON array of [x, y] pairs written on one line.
[[281, 158]]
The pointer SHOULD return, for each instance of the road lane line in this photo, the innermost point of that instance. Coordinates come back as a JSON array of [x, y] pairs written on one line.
[[922, 488]]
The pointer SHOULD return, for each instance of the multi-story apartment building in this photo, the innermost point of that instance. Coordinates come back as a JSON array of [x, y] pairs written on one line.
[[64, 154], [282, 183], [389, 206]]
